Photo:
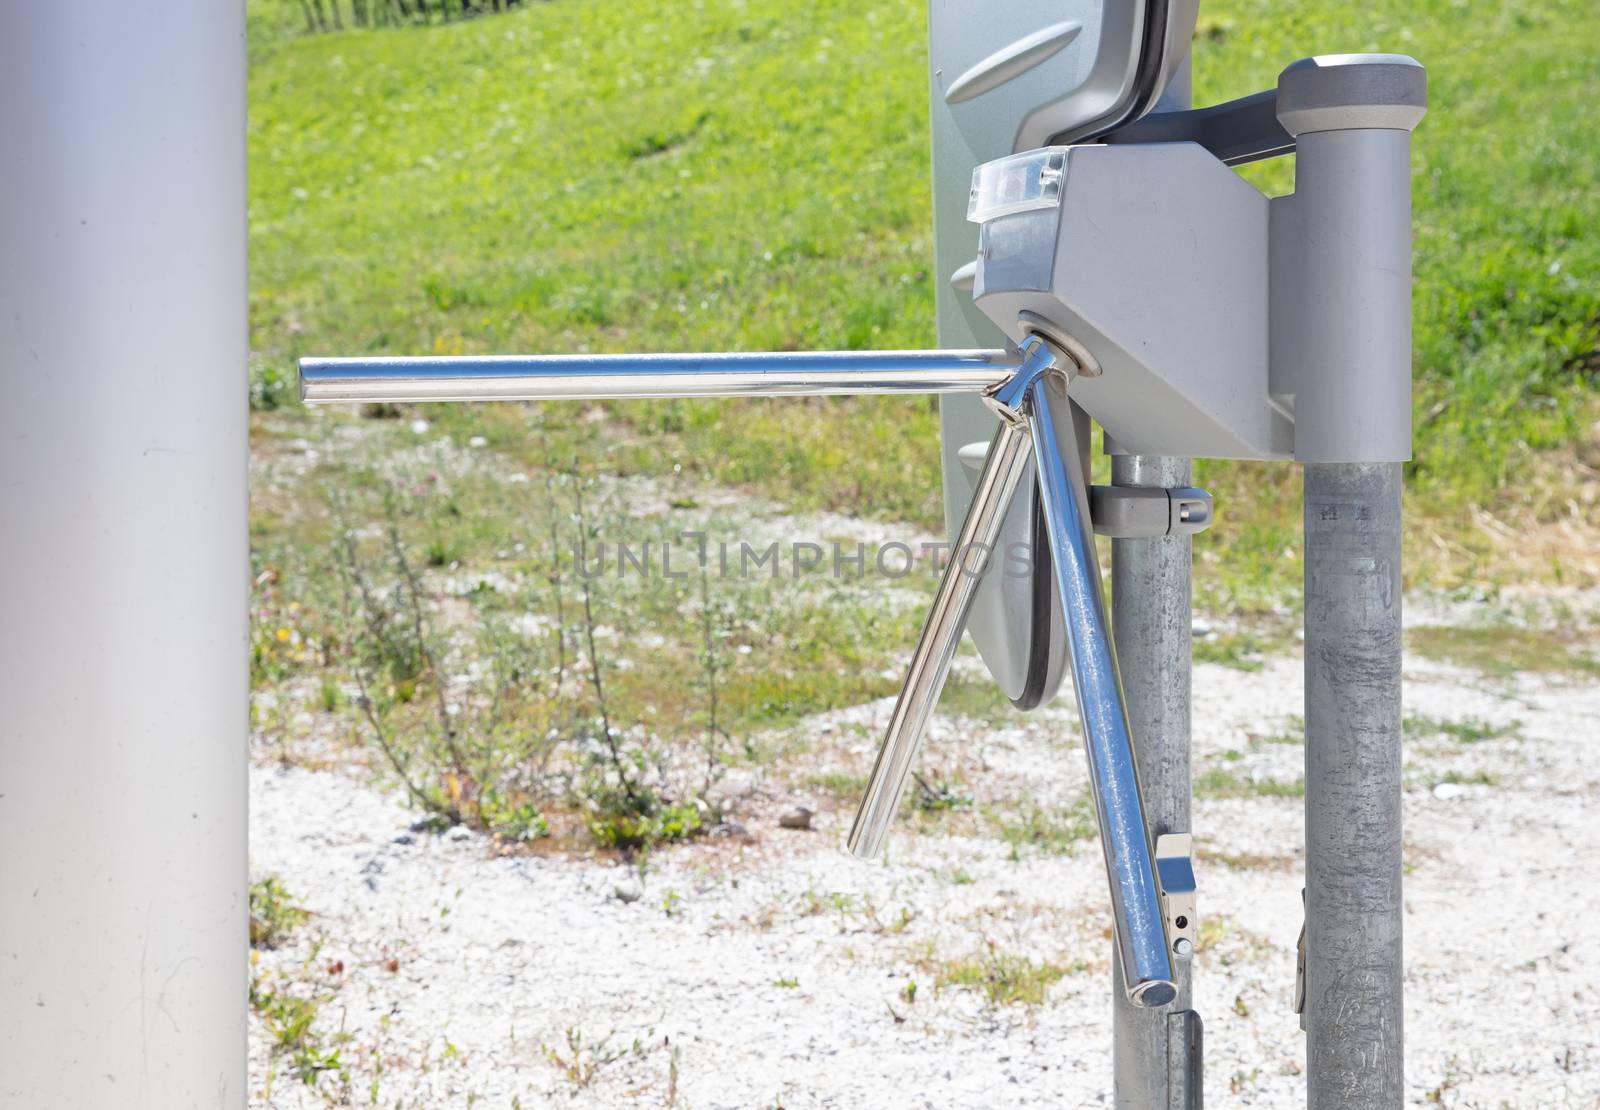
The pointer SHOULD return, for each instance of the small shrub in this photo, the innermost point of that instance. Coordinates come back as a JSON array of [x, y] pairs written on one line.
[[291, 1019], [630, 823], [937, 796], [272, 915], [1001, 978], [581, 1061], [486, 725], [272, 387], [520, 823]]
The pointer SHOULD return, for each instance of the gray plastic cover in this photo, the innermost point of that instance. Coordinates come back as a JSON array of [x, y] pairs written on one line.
[[1010, 75]]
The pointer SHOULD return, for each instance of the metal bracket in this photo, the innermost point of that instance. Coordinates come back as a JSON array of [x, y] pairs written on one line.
[[1130, 512], [1175, 878], [1300, 965], [1185, 1061], [1235, 132], [1136, 512]]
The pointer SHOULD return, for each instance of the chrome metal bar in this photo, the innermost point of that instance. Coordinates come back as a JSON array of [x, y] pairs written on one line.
[[941, 635], [1141, 934], [614, 377], [1003, 468]]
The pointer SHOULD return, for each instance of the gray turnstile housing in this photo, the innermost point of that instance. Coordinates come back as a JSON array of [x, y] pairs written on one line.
[[1007, 77]]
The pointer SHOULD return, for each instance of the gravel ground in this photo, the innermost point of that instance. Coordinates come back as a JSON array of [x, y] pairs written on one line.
[[765, 969]]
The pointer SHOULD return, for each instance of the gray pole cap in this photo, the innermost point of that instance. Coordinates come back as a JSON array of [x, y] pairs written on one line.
[[1343, 92]]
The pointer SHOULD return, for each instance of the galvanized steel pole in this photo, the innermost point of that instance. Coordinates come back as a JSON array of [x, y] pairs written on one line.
[[1150, 591], [1343, 346], [1152, 624], [1354, 971]]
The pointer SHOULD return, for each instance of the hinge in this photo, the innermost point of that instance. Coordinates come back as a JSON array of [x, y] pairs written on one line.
[[1300, 965], [1175, 878], [1145, 512]]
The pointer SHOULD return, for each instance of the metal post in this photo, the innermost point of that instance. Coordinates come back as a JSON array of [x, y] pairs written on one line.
[[1152, 625], [1150, 590], [1341, 343], [123, 675], [1353, 909]]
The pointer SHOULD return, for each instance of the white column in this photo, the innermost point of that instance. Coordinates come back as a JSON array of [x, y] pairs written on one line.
[[123, 554]]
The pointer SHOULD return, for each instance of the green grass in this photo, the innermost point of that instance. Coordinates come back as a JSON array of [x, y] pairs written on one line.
[[273, 914], [1468, 730], [1506, 194], [1002, 978], [1220, 782], [1505, 651], [837, 784], [1052, 831], [1243, 651], [977, 699], [1470, 778], [618, 175]]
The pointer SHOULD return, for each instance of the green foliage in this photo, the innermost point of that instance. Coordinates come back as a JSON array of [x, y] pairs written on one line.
[[273, 386], [273, 914], [284, 634], [839, 784], [1243, 651], [1505, 651], [1050, 830], [1470, 778], [289, 1009], [938, 795], [617, 821], [580, 1060], [1219, 782], [329, 695], [977, 699], [1002, 978], [515, 822], [1506, 196], [1467, 730], [484, 759]]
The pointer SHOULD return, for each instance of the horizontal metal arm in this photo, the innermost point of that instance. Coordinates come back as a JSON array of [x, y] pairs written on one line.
[[615, 377]]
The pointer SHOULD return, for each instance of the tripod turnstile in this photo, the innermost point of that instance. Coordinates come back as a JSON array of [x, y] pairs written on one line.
[[1142, 283]]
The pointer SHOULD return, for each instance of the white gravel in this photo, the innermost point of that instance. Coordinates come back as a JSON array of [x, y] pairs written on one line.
[[769, 971]]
